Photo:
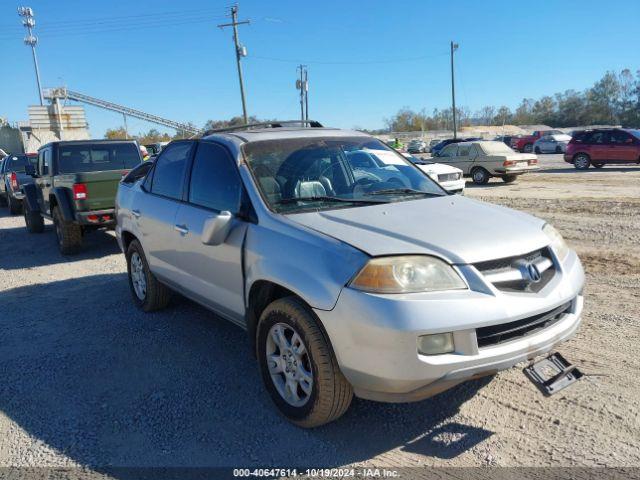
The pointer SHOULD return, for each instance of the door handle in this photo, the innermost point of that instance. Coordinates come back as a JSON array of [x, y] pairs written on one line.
[[181, 228], [135, 213]]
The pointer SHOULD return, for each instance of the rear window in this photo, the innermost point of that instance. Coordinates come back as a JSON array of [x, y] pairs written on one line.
[[17, 163], [97, 157]]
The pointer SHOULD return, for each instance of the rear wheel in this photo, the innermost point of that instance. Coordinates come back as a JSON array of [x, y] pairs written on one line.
[[581, 161], [33, 220], [558, 149], [298, 366], [528, 148], [509, 178], [480, 176], [538, 150], [69, 234], [147, 292], [3, 200]]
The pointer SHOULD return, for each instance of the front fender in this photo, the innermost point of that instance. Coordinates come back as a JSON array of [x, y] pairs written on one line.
[[314, 267]]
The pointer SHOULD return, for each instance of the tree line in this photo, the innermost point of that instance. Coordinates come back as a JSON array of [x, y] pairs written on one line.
[[612, 100]]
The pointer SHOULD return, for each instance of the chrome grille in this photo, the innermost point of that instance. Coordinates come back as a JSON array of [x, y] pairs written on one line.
[[524, 273]]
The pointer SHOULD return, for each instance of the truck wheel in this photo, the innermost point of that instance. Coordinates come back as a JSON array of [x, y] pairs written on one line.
[[298, 366], [581, 161], [69, 234], [528, 148], [14, 207], [509, 178], [33, 220], [480, 176], [148, 293]]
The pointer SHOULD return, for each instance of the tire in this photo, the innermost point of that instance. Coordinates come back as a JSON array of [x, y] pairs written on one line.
[[33, 220], [15, 208], [509, 178], [598, 165], [528, 148], [153, 295], [537, 149], [581, 161], [69, 234], [329, 393], [558, 149], [3, 200], [480, 176]]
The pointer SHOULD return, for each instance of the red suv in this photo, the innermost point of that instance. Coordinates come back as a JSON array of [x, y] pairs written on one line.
[[603, 146]]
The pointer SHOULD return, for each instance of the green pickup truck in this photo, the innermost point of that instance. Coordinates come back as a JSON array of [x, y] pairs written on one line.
[[75, 187]]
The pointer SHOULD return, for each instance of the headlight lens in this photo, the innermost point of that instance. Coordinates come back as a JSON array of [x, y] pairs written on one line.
[[557, 242], [415, 273]]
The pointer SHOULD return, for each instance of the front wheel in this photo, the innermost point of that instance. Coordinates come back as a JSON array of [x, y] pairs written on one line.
[[528, 148], [298, 366], [581, 161], [480, 176], [509, 178], [538, 150]]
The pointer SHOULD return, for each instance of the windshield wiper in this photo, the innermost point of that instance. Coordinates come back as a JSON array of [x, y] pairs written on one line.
[[402, 191], [324, 198]]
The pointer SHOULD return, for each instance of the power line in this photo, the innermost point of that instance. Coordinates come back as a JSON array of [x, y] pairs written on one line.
[[347, 62]]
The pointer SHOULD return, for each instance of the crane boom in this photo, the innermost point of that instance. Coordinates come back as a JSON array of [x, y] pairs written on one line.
[[64, 93]]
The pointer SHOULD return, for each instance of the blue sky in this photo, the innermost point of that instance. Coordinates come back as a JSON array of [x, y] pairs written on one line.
[[366, 58]]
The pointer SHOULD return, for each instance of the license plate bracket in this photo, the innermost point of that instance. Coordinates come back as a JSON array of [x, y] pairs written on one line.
[[552, 374]]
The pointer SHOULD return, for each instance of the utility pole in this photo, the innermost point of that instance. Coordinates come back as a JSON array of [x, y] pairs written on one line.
[[454, 47], [241, 51], [31, 40], [302, 84]]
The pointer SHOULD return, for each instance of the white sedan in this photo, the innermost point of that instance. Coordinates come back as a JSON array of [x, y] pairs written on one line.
[[556, 143], [449, 178]]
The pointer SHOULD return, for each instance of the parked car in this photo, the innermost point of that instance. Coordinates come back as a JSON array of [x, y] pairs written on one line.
[[75, 187], [440, 145], [525, 143], [603, 147], [433, 142], [485, 159], [344, 286], [417, 146], [450, 178], [555, 143], [507, 139], [12, 176]]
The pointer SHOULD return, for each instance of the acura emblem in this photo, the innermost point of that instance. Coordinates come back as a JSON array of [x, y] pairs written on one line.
[[533, 272]]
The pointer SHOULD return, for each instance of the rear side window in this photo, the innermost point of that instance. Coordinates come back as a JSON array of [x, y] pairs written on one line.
[[97, 157], [215, 182], [168, 175], [618, 137]]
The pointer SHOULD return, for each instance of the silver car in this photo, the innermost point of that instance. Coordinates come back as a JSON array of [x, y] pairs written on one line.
[[344, 285], [554, 143]]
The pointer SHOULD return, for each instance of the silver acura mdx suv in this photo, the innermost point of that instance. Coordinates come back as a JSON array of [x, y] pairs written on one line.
[[379, 285]]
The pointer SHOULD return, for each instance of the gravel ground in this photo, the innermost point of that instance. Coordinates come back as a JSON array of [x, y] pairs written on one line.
[[88, 380]]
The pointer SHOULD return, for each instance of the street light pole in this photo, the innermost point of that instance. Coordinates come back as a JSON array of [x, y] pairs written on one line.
[[454, 47], [31, 40]]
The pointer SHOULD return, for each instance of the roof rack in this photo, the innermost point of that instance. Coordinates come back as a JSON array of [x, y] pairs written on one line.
[[274, 124]]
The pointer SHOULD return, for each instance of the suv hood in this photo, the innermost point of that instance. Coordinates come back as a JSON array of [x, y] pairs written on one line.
[[456, 228]]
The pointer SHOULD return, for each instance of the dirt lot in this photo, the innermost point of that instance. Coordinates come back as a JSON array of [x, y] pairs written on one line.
[[87, 379]]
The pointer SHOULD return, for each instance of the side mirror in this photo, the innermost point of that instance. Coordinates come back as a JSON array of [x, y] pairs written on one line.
[[216, 229], [30, 170]]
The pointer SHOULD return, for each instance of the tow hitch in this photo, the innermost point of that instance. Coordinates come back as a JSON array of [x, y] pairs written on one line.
[[552, 374]]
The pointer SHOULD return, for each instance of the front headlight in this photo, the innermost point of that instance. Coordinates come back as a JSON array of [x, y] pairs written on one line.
[[557, 242], [409, 274]]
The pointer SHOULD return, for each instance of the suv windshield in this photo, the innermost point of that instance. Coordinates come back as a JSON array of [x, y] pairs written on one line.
[[325, 173], [97, 157], [17, 163]]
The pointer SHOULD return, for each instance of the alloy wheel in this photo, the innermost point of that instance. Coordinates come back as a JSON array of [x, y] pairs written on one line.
[[289, 364], [138, 277]]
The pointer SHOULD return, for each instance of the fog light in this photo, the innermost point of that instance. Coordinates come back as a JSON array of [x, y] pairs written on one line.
[[435, 344]]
